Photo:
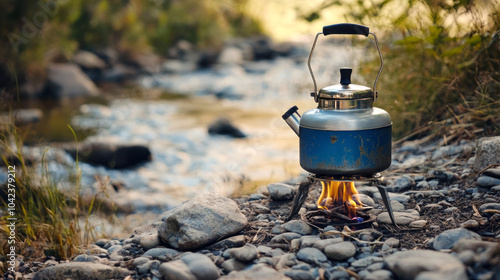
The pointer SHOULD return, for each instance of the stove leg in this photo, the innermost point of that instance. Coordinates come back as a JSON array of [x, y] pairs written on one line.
[[387, 202], [299, 199]]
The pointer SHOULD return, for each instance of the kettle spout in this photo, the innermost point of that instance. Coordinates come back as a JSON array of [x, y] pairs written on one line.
[[292, 118]]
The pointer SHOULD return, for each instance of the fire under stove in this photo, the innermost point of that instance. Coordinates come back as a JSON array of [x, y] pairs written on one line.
[[338, 203]]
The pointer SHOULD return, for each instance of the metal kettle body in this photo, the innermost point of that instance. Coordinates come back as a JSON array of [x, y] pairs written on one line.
[[345, 134]]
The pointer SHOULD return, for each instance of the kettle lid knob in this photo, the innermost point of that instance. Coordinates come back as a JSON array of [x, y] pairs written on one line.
[[345, 75]]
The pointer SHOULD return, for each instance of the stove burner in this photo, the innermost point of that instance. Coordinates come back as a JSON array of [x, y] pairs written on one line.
[[303, 191], [343, 178]]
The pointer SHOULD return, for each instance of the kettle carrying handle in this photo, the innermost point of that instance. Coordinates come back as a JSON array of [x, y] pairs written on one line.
[[345, 29]]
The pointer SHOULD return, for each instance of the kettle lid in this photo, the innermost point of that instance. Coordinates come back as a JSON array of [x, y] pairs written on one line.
[[345, 90]]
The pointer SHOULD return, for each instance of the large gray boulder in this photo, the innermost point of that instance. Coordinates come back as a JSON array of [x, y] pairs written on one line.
[[81, 271], [201, 221], [488, 152], [67, 80], [425, 264]]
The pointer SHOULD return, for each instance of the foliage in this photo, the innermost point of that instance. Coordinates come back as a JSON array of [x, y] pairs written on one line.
[[441, 59], [49, 222], [37, 31]]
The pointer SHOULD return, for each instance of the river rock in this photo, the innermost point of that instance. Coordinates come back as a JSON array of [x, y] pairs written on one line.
[[67, 80], [81, 271], [88, 60], [311, 255], [401, 218], [381, 274], [161, 253], [402, 198], [470, 224], [340, 251], [285, 237], [280, 191], [246, 253], [298, 226], [493, 172], [448, 238], [111, 156], [487, 181], [256, 272], [323, 243], [401, 184], [150, 241], [489, 206], [425, 264], [191, 266], [224, 127], [390, 243], [234, 265], [488, 152], [201, 221]]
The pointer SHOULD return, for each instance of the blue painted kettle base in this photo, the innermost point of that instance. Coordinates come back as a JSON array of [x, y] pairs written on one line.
[[359, 152]]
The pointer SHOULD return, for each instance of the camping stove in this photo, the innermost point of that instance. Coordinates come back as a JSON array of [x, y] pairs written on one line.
[[345, 138]]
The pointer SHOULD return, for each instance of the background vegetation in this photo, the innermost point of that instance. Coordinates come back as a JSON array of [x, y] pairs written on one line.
[[442, 62]]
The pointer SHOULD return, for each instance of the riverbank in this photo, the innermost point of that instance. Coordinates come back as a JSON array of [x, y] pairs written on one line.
[[445, 197]]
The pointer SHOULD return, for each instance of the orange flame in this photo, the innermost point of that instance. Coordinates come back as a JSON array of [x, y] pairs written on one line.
[[335, 193]]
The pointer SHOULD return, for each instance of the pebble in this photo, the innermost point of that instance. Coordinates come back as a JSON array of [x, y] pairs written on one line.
[[246, 253], [140, 261], [200, 266], [161, 253], [150, 241], [365, 262], [323, 243], [299, 275], [450, 210], [365, 199], [448, 238], [340, 251], [487, 181], [402, 198], [397, 206], [390, 243], [418, 224], [487, 206], [470, 224], [285, 237], [298, 226], [401, 218], [86, 258], [381, 274], [311, 255], [425, 264], [401, 184], [233, 265], [308, 240], [280, 191], [256, 272], [81, 271]]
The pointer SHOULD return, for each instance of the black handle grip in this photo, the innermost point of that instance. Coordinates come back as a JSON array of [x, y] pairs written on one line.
[[346, 28]]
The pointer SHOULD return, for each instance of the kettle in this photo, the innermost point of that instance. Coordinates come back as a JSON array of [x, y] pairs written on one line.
[[345, 135]]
